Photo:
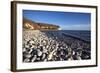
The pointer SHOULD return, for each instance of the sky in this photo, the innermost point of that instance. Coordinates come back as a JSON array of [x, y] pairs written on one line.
[[66, 20]]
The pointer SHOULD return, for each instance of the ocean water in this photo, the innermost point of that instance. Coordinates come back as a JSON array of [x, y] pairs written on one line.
[[82, 34]]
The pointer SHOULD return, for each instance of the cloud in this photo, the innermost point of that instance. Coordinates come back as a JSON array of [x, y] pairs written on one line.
[[76, 27]]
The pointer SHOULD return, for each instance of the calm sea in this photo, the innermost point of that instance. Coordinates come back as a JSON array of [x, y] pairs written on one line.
[[82, 34]]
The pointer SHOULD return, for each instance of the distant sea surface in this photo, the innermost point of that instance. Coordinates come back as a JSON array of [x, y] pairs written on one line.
[[82, 34]]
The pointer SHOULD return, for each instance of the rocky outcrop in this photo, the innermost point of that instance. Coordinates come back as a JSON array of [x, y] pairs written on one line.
[[28, 24]]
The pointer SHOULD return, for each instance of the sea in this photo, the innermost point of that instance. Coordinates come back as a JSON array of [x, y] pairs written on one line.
[[81, 34]]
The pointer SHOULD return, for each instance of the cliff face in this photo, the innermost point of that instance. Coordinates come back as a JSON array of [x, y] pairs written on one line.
[[28, 24]]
